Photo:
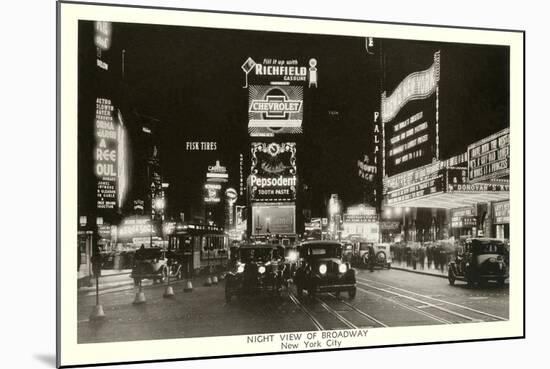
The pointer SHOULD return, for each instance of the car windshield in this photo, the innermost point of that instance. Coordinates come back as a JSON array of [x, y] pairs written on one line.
[[258, 254], [487, 247], [322, 251], [364, 246]]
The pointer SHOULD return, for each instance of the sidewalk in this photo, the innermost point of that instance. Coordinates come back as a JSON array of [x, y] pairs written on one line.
[[426, 270], [109, 278], [119, 280]]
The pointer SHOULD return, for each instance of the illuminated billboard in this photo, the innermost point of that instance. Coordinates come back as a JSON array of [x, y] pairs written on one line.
[[420, 189], [273, 172], [463, 217], [489, 158], [281, 71], [410, 121], [217, 173], [106, 154], [420, 174], [501, 212], [273, 219], [275, 110], [136, 227], [212, 193]]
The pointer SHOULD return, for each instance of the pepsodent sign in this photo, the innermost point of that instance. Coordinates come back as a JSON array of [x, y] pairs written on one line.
[[273, 182]]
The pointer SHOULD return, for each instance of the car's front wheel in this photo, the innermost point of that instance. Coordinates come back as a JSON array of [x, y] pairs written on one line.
[[500, 282], [299, 291], [352, 293]]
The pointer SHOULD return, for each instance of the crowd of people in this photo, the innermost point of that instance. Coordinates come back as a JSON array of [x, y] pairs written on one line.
[[427, 255]]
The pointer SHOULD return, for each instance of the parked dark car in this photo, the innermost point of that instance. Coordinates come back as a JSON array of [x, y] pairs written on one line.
[[480, 261], [149, 263], [323, 270], [259, 268]]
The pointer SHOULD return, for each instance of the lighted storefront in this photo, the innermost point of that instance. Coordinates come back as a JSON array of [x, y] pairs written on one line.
[[361, 222]]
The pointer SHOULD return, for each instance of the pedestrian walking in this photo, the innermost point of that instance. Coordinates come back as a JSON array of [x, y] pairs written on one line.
[[422, 256], [429, 254]]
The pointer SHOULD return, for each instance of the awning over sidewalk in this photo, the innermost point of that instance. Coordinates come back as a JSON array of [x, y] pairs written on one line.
[[451, 200]]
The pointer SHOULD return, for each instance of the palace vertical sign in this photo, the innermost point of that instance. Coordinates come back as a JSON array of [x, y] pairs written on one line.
[[105, 154]]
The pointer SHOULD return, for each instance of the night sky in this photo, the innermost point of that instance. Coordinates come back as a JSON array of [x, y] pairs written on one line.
[[190, 79]]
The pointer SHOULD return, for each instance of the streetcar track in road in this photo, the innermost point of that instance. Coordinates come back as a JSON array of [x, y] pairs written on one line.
[[335, 314], [354, 308], [306, 311], [428, 304], [408, 307], [496, 317]]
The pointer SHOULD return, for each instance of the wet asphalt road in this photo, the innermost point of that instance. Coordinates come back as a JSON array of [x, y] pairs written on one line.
[[385, 298]]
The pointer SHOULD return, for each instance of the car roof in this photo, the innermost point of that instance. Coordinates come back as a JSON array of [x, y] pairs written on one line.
[[259, 246], [482, 239], [321, 243]]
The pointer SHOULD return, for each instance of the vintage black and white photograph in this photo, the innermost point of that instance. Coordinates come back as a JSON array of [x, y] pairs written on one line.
[[288, 189]]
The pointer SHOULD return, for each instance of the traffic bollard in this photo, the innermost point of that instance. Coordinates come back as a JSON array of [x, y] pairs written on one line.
[[140, 296], [188, 287], [169, 292], [97, 313]]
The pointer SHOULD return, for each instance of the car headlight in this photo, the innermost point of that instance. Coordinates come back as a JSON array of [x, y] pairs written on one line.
[[342, 268], [322, 268], [292, 256], [240, 268], [261, 270]]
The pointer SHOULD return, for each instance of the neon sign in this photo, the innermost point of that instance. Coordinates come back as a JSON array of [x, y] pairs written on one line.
[[281, 71], [273, 182], [217, 173], [102, 37], [275, 110], [106, 154], [501, 211], [275, 106], [417, 85], [490, 157]]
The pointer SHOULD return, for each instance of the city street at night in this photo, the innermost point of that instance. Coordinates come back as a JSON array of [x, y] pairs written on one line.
[[331, 182], [385, 298]]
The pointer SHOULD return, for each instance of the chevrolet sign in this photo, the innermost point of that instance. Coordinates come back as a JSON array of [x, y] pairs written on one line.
[[275, 106]]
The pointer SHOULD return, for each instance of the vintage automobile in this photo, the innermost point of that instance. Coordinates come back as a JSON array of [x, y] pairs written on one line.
[[259, 268], [382, 256], [149, 263], [371, 255], [323, 270], [347, 253], [481, 260]]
